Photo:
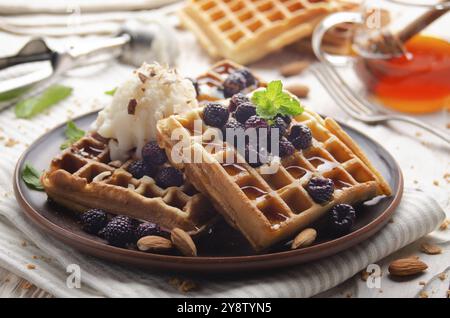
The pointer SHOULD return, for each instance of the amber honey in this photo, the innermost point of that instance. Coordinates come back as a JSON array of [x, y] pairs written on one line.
[[418, 82]]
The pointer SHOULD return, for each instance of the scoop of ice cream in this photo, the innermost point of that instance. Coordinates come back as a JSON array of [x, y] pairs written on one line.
[[153, 92]]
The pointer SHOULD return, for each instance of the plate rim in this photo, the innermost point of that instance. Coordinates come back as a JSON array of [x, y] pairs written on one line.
[[138, 258]]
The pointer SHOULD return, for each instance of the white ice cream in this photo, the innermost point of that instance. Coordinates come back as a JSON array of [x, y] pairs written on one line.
[[157, 92]]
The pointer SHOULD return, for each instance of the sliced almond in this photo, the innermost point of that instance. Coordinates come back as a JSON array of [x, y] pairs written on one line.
[[294, 68], [183, 242], [298, 90], [407, 266], [304, 238], [154, 243], [430, 249]]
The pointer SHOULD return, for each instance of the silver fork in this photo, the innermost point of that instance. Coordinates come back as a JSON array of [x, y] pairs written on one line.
[[357, 106]]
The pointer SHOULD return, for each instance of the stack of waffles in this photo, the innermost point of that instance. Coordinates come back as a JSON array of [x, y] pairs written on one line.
[[268, 208], [83, 177], [246, 30]]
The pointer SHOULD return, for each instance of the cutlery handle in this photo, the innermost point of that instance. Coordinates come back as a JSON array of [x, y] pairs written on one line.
[[82, 55], [435, 131]]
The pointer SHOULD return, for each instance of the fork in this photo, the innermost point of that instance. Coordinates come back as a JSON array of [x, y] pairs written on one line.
[[358, 107]]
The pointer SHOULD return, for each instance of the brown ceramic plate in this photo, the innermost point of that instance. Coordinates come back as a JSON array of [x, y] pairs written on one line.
[[233, 254]]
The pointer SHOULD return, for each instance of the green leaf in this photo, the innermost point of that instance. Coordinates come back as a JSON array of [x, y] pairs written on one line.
[[12, 94], [73, 134], [32, 177], [273, 101], [111, 92], [35, 105]]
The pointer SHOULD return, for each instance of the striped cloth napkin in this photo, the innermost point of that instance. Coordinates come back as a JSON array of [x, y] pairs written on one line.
[[417, 215]]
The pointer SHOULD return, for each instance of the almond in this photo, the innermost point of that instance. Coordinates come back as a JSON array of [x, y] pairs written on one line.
[[407, 266], [304, 238], [294, 68], [430, 249], [298, 90], [154, 244], [183, 242]]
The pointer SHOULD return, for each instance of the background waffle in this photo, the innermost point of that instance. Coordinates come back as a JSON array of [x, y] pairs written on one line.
[[209, 84], [246, 30], [268, 208], [83, 177]]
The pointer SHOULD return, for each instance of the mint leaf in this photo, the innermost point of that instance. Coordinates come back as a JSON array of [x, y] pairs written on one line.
[[6, 96], [274, 88], [73, 134], [35, 105], [111, 92], [273, 101], [32, 177]]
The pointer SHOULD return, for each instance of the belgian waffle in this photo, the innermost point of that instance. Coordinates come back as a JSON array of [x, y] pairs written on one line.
[[246, 30], [268, 208], [83, 177], [209, 84]]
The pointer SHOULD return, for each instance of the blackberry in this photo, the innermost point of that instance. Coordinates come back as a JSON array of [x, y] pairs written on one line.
[[237, 81], [152, 154], [320, 189], [237, 100], [93, 220], [169, 177], [146, 229], [254, 157], [123, 218], [300, 136], [119, 232], [215, 115], [244, 111], [249, 78], [139, 169], [281, 125], [256, 122], [342, 218], [285, 147], [287, 119], [231, 125]]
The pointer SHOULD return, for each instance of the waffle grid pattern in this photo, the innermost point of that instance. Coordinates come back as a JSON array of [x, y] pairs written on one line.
[[88, 159], [244, 30], [276, 205], [282, 196]]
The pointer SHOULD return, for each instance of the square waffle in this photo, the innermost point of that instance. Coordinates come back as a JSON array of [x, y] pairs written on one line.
[[268, 208], [83, 177], [246, 30]]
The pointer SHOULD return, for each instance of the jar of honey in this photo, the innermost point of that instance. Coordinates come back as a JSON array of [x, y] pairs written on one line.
[[417, 82], [418, 79]]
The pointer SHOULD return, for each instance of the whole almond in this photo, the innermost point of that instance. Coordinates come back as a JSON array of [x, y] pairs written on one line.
[[304, 238], [183, 242], [294, 68], [298, 90], [430, 249], [407, 266], [154, 244]]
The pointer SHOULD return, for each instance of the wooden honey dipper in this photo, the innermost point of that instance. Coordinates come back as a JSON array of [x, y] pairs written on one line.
[[388, 43]]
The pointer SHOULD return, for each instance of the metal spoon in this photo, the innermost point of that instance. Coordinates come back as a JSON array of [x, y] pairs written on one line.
[[137, 42]]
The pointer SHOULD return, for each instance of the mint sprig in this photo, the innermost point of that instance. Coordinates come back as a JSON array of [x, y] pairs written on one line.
[[32, 177], [32, 106], [73, 134], [273, 101]]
